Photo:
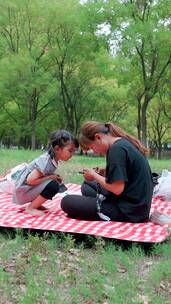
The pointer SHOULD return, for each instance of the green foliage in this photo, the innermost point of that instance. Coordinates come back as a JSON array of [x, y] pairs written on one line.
[[64, 62], [159, 124], [139, 31]]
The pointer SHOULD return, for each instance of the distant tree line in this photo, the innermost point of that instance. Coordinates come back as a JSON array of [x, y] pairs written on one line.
[[64, 62]]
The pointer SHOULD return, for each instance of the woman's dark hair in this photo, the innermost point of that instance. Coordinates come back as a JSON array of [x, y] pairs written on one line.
[[90, 128], [60, 138]]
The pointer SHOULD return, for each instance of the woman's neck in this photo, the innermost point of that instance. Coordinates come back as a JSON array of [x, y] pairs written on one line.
[[112, 140]]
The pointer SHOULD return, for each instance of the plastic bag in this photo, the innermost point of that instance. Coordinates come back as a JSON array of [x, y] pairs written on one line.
[[6, 186], [6, 182], [163, 187]]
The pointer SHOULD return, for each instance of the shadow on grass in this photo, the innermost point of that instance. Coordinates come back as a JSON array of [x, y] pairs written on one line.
[[87, 241]]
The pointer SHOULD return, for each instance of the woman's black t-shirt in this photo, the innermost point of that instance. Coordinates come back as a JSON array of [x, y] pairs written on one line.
[[125, 162]]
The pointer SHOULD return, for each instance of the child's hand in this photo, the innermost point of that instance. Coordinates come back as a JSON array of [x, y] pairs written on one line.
[[59, 178], [56, 177], [36, 178]]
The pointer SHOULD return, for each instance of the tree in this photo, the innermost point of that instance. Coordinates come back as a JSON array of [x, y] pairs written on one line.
[[159, 125], [139, 31], [72, 57], [24, 41], [51, 59]]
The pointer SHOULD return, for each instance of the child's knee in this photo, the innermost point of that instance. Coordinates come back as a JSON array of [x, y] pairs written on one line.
[[50, 190], [54, 187]]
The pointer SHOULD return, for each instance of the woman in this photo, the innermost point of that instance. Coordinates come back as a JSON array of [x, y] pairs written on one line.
[[125, 187]]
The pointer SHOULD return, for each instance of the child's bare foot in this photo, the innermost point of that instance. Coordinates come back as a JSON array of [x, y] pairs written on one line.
[[34, 212], [42, 208]]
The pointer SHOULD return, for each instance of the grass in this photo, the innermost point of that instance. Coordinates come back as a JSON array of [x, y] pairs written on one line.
[[66, 269], [159, 165], [69, 170], [55, 268]]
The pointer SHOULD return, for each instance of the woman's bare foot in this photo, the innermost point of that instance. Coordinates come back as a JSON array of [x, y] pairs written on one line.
[[34, 212]]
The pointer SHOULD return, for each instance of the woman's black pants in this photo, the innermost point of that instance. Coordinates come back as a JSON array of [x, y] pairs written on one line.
[[85, 207]]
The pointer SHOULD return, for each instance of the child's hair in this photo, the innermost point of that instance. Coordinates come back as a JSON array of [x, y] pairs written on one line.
[[90, 128], [60, 138]]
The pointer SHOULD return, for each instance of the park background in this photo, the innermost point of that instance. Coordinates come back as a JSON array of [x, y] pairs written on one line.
[[63, 62]]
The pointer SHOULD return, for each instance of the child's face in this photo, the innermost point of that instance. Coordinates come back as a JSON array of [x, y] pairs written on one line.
[[65, 153]]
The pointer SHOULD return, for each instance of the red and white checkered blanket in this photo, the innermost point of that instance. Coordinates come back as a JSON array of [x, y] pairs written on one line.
[[55, 219]]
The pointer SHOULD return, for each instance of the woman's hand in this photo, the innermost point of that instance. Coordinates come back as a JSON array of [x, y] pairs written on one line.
[[116, 187], [100, 171], [89, 174]]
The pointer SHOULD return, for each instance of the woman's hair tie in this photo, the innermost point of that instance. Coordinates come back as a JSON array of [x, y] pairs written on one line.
[[106, 128]]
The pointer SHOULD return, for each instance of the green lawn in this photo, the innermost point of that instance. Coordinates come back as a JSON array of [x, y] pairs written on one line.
[[66, 269], [69, 170]]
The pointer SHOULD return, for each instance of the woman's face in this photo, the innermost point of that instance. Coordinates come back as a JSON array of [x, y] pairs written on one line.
[[100, 144]]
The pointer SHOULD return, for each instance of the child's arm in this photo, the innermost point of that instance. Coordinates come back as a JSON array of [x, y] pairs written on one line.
[[36, 178]]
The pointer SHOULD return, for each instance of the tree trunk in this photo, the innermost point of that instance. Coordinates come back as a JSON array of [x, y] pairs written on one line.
[[144, 127], [33, 124], [70, 122], [139, 120], [33, 135], [159, 153], [144, 120], [159, 148]]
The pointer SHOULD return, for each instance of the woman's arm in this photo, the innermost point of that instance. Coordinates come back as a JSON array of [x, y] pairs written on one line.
[[36, 178], [116, 187]]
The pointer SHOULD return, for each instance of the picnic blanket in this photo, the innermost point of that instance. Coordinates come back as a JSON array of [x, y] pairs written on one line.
[[12, 215]]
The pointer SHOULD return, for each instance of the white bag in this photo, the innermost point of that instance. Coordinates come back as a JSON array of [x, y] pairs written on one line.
[[163, 187], [6, 182], [6, 186]]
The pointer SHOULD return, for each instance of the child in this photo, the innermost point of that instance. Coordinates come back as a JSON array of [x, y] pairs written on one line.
[[37, 182], [122, 192]]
